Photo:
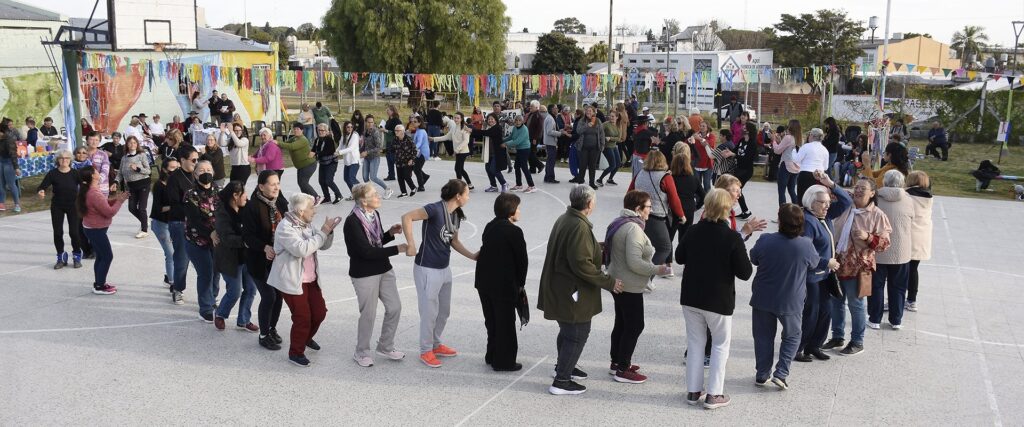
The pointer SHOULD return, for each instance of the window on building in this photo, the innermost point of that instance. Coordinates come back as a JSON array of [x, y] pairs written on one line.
[[257, 84], [647, 61], [632, 61]]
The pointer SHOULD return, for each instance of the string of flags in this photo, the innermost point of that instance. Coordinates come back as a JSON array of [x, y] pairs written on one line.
[[474, 85]]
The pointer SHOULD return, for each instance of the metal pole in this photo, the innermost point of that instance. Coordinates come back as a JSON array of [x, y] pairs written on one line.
[[1018, 27], [668, 86], [759, 86], [71, 60], [885, 57], [608, 74]]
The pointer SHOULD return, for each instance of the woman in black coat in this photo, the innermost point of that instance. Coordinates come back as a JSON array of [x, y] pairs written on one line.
[[229, 258], [497, 154], [501, 280], [259, 220]]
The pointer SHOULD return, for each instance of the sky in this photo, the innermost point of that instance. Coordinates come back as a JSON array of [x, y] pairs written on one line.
[[940, 18]]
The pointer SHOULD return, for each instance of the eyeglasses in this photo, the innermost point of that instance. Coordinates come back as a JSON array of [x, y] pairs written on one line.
[[647, 206], [193, 160]]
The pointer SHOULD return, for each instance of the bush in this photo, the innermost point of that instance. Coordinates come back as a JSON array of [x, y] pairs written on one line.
[[957, 102]]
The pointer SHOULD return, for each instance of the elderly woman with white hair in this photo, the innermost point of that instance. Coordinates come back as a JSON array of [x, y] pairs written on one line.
[[65, 182], [893, 264], [296, 272], [268, 156], [819, 213], [812, 156]]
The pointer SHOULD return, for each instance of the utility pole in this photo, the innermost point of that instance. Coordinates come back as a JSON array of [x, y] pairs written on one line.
[[1018, 28], [885, 57], [608, 89]]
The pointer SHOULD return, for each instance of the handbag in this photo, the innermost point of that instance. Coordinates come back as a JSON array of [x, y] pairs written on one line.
[[864, 284], [831, 282], [602, 163], [523, 308]]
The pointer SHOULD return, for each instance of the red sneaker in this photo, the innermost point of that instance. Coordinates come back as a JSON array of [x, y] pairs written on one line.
[[218, 322], [445, 351], [629, 377], [613, 368], [249, 327], [430, 360]]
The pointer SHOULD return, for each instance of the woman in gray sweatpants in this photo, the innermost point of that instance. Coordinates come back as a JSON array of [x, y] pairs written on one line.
[[372, 275], [431, 273]]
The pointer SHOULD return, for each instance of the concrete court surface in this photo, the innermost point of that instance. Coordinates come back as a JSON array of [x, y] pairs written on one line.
[[70, 357]]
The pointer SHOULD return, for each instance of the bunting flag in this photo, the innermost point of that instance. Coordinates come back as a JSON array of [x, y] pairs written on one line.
[[897, 65], [910, 68], [921, 68], [945, 72]]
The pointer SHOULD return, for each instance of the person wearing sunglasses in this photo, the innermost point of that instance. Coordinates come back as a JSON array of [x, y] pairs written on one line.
[[179, 184]]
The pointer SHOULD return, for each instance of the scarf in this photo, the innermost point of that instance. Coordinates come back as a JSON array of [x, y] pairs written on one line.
[[844, 236], [274, 215], [294, 219], [371, 226], [617, 223]]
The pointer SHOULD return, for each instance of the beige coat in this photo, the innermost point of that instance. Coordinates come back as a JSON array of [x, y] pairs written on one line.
[[898, 207], [921, 229]]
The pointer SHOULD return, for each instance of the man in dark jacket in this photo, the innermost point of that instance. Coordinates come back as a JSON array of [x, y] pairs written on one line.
[[535, 125], [570, 286], [214, 105], [226, 109], [937, 141], [178, 185]]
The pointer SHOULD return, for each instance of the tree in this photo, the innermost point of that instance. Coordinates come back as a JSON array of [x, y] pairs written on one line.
[[570, 25], [631, 30], [526, 30], [557, 53], [912, 35], [267, 28], [597, 53], [306, 31], [706, 39], [650, 35], [969, 41], [417, 36], [672, 25], [744, 39], [825, 37]]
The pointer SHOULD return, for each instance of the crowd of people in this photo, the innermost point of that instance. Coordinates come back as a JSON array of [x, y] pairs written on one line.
[[834, 248]]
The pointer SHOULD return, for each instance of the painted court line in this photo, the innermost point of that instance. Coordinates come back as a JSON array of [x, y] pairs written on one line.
[[947, 336], [96, 328], [496, 395]]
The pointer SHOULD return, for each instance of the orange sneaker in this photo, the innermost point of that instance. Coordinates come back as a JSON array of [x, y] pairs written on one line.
[[445, 351], [430, 360]]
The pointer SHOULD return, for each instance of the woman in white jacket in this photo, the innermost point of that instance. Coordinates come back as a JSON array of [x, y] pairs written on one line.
[[238, 151], [348, 150], [459, 134], [919, 190], [296, 272]]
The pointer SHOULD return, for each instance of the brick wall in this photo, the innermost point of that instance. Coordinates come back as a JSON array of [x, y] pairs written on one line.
[[784, 104]]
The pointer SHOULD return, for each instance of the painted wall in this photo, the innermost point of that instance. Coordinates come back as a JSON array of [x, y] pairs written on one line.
[[28, 85], [110, 101]]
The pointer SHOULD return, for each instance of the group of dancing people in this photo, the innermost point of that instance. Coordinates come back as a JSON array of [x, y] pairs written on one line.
[[833, 249]]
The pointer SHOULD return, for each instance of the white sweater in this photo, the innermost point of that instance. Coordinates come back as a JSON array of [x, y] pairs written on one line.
[[349, 152], [239, 156], [897, 206]]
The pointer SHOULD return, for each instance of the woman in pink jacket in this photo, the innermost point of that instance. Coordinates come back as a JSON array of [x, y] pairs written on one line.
[[269, 154], [97, 211]]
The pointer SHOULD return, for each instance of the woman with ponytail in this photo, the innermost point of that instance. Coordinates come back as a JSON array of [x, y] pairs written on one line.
[[97, 211]]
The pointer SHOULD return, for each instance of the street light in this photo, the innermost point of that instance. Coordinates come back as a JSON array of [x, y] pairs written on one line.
[[873, 25], [668, 87]]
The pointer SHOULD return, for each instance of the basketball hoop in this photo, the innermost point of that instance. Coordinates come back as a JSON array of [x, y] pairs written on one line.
[[172, 51]]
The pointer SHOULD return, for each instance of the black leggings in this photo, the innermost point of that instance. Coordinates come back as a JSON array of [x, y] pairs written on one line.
[[913, 280], [241, 173], [629, 324], [523, 168], [804, 181], [325, 176], [405, 179], [57, 215], [138, 199], [744, 176], [589, 160], [460, 168], [269, 310]]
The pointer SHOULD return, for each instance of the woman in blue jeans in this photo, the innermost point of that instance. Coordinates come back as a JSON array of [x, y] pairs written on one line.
[[348, 150], [371, 152], [97, 212], [788, 170], [861, 232], [158, 216], [229, 255], [200, 204]]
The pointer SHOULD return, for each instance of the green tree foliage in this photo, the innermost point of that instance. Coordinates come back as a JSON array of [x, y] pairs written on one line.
[[570, 25], [418, 36], [557, 53], [743, 39], [597, 53], [969, 41], [912, 35], [307, 31], [817, 38], [672, 25]]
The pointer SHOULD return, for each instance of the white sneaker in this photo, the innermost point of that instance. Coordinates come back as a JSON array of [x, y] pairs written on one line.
[[874, 325], [650, 287], [141, 234], [364, 361], [911, 306], [896, 327], [530, 190], [388, 193], [393, 354]]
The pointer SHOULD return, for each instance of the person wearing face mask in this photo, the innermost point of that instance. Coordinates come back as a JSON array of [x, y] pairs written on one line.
[[519, 140], [135, 177], [215, 156], [295, 272], [179, 184], [200, 204], [260, 219], [819, 213], [501, 281], [158, 215], [64, 181], [98, 210], [229, 254], [237, 143], [371, 272]]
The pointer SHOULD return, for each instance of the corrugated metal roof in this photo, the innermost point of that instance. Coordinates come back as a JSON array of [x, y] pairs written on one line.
[[18, 11], [209, 40]]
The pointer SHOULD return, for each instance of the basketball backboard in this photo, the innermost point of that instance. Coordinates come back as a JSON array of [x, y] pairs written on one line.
[[138, 24]]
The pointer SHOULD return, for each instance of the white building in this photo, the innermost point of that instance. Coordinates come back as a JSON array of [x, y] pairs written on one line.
[[520, 48], [700, 93]]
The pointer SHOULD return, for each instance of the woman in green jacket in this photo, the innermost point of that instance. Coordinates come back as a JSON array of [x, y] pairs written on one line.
[[301, 152], [519, 140]]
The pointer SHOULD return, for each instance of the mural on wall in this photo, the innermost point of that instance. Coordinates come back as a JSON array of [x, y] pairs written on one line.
[[36, 95], [108, 98]]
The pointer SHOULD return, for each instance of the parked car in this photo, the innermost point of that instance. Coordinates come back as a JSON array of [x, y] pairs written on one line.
[[597, 97], [395, 91]]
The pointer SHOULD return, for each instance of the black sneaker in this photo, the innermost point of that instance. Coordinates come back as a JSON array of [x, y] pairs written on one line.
[[299, 360], [513, 368], [177, 298], [744, 215], [206, 317], [852, 350], [167, 280], [577, 374], [780, 383], [818, 354], [612, 183], [267, 342], [562, 388], [313, 345], [760, 382], [834, 343], [275, 336], [803, 357]]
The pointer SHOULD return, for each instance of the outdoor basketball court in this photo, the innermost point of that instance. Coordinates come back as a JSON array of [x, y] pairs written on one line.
[[70, 357]]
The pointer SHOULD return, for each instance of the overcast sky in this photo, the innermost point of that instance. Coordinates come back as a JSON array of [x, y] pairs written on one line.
[[937, 17]]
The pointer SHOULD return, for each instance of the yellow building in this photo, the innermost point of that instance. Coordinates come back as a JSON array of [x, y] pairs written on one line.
[[920, 51]]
